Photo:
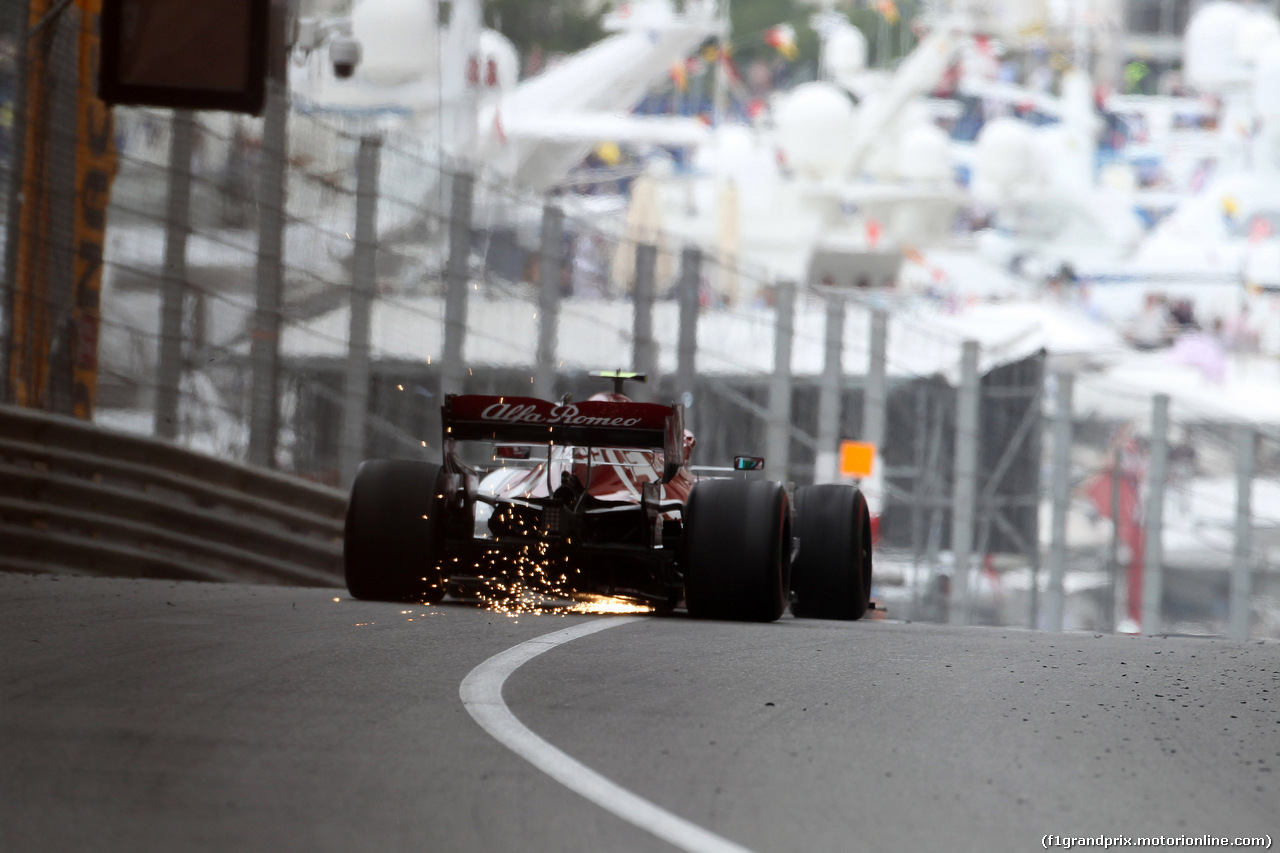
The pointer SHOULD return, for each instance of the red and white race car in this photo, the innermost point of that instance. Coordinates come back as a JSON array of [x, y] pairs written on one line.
[[597, 498]]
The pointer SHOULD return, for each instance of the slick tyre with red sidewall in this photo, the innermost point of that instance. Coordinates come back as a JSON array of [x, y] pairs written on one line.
[[831, 578], [390, 546], [737, 550]]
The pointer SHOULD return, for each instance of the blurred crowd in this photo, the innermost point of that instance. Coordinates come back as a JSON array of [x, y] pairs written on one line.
[[1163, 322]]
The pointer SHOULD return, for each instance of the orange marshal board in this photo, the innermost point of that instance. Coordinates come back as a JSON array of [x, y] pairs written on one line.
[[857, 458]]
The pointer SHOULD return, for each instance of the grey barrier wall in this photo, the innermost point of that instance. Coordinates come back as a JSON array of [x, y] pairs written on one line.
[[79, 499]]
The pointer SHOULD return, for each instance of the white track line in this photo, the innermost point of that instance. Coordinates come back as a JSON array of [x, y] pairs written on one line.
[[481, 693]]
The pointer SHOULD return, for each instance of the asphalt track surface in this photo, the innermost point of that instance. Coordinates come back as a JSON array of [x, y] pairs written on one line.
[[162, 716]]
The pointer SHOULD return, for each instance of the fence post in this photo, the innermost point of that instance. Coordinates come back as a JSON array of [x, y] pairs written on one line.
[[456, 280], [1061, 495], [58, 287], [687, 346], [1153, 550], [1115, 601], [264, 352], [13, 201], [363, 275], [875, 400], [1242, 556], [778, 437], [644, 352], [825, 461], [170, 360], [964, 489], [550, 271]]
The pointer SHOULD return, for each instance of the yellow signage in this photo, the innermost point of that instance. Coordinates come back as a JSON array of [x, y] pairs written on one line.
[[33, 324], [95, 168]]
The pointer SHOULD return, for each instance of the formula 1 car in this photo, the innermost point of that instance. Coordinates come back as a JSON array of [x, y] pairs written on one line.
[[598, 499]]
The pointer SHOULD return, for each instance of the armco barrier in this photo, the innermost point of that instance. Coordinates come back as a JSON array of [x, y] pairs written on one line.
[[79, 499]]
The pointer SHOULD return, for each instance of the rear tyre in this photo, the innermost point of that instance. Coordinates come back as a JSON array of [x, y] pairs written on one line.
[[391, 542], [737, 550], [831, 578]]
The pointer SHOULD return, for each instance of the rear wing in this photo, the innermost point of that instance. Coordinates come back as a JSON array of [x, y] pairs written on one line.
[[591, 423]]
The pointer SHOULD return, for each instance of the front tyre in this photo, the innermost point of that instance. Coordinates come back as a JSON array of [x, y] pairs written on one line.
[[391, 540], [737, 550], [831, 578]]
